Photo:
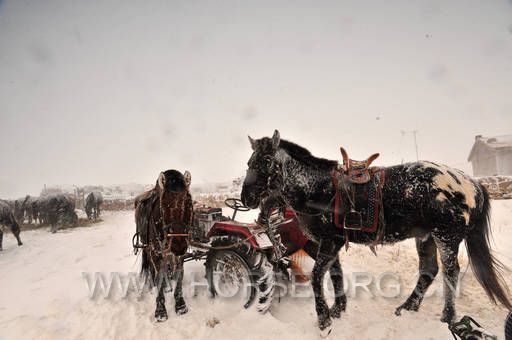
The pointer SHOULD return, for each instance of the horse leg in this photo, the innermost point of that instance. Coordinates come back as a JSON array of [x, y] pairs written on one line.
[[180, 306], [428, 268], [336, 273], [16, 233], [1, 238], [327, 253], [168, 283], [161, 311], [449, 250], [340, 299]]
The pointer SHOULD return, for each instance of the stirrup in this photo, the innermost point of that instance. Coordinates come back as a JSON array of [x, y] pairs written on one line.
[[353, 220]]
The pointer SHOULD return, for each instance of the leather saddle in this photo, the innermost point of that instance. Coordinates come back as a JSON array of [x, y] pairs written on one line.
[[357, 171], [363, 186]]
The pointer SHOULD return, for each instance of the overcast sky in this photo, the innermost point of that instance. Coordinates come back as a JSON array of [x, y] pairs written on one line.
[[110, 92]]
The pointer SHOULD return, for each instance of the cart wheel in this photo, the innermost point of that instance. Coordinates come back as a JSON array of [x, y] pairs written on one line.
[[241, 274]]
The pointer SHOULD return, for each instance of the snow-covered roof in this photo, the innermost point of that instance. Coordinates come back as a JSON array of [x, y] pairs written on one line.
[[492, 143]]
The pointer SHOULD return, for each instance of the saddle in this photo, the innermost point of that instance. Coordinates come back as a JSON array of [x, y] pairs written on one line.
[[357, 171], [362, 186]]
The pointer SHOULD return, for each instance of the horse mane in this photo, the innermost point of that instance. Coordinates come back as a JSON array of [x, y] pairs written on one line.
[[144, 196], [303, 155], [142, 206]]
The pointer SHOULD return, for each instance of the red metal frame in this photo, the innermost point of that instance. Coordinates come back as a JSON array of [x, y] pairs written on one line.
[[234, 227], [290, 230]]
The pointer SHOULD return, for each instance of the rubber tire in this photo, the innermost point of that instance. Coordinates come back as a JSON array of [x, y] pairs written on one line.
[[263, 278]]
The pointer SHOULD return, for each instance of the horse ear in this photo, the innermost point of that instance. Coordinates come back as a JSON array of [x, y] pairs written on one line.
[[253, 143], [372, 158], [161, 181], [276, 139], [344, 155], [188, 178]]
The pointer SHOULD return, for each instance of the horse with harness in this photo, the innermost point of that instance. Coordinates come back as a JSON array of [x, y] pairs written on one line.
[[437, 205], [163, 216]]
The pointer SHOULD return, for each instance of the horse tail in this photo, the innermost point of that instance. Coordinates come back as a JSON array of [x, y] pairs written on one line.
[[486, 267]]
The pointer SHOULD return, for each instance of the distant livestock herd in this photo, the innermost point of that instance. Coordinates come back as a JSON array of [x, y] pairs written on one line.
[[52, 210]]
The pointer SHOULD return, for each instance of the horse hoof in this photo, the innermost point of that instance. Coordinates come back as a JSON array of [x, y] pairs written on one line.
[[325, 327], [411, 307], [324, 333], [447, 318], [19, 244], [161, 317], [448, 315], [181, 310], [161, 314]]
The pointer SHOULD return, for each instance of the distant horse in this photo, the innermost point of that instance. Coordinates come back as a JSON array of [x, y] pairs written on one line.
[[35, 209], [24, 209], [19, 210], [57, 209], [29, 206], [163, 216], [93, 204], [7, 219], [437, 205]]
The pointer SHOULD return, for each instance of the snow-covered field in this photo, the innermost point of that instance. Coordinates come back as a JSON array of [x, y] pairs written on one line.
[[43, 293]]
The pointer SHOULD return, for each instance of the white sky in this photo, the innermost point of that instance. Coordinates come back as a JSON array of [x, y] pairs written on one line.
[[104, 92]]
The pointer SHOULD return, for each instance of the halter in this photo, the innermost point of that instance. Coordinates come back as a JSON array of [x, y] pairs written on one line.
[[275, 174]]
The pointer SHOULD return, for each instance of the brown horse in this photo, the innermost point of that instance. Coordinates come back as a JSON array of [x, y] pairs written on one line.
[[163, 216]]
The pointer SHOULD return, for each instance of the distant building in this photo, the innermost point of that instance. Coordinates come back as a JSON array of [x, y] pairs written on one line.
[[491, 156]]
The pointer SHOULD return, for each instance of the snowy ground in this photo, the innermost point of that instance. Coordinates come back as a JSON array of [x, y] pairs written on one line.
[[43, 293]]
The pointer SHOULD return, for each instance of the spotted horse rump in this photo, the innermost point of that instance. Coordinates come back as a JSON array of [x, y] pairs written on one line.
[[454, 188]]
